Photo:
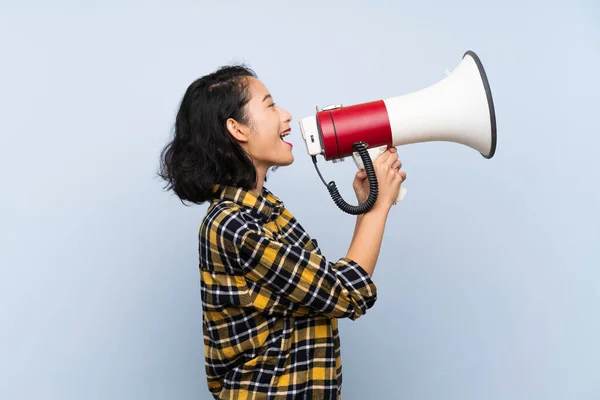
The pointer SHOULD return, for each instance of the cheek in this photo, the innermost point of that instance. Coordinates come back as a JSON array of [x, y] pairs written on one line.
[[266, 126]]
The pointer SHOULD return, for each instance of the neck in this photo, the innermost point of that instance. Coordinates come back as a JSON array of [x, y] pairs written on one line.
[[261, 173]]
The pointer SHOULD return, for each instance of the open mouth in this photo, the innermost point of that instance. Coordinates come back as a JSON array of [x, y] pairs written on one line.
[[284, 134]]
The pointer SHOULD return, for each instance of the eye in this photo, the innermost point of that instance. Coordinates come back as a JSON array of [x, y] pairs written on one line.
[[272, 105]]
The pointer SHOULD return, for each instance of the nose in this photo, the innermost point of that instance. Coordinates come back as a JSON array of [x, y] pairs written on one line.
[[287, 117]]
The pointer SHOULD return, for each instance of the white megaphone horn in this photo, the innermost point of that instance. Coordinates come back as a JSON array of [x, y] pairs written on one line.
[[458, 109]]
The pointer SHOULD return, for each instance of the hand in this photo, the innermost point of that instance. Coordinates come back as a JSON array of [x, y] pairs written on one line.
[[387, 169]]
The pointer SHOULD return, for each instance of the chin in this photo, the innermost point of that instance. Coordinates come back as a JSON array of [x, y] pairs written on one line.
[[288, 158], [286, 162]]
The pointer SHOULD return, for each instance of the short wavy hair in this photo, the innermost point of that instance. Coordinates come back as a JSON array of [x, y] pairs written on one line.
[[202, 153]]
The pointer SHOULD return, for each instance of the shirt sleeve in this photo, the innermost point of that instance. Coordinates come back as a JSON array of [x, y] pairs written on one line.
[[291, 279]]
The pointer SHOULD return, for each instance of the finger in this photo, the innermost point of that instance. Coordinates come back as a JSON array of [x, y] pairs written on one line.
[[391, 159], [383, 157], [397, 164], [359, 179]]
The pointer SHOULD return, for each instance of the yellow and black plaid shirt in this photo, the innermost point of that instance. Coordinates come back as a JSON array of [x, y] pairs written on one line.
[[271, 301]]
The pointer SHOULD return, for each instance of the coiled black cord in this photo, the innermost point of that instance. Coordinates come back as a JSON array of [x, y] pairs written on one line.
[[361, 149]]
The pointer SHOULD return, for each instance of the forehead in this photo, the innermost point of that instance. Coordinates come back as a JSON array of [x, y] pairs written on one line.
[[258, 90]]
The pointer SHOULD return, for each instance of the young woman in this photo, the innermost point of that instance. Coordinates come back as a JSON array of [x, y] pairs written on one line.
[[270, 298]]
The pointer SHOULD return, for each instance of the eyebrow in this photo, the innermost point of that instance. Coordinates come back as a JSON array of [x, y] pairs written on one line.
[[266, 97]]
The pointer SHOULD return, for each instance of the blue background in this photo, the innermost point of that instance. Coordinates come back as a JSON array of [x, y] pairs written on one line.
[[489, 282]]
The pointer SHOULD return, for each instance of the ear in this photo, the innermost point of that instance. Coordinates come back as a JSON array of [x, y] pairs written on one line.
[[237, 130]]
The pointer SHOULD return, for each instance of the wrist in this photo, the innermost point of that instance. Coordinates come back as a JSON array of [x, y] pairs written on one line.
[[377, 213], [381, 209]]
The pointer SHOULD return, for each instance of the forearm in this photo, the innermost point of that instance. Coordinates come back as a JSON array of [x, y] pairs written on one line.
[[358, 221], [367, 239]]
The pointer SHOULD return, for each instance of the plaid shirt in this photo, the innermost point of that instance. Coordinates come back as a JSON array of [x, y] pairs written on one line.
[[271, 302]]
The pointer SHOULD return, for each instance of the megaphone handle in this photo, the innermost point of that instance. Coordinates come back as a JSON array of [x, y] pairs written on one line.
[[374, 153], [361, 149]]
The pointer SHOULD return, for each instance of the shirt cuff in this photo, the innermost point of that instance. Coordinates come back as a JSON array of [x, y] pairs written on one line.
[[357, 281]]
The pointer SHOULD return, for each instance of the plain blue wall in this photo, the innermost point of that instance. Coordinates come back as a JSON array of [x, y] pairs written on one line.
[[489, 275]]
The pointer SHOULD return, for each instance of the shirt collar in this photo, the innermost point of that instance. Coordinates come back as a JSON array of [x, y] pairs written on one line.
[[266, 206]]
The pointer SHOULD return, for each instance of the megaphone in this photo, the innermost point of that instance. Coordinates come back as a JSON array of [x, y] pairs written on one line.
[[458, 109]]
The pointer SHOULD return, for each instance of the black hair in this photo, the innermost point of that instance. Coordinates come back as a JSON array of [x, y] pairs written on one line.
[[202, 152]]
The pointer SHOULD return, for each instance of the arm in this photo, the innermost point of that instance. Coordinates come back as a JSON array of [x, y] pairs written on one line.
[[359, 219], [292, 280], [369, 228], [367, 239]]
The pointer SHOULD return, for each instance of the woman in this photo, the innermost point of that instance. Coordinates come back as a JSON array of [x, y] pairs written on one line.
[[270, 298]]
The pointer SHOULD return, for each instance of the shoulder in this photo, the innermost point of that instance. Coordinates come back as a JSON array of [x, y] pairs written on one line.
[[227, 220]]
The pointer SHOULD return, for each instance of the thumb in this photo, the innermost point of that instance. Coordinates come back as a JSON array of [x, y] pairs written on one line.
[[361, 174]]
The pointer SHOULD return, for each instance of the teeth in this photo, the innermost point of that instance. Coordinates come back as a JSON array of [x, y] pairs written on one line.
[[284, 134]]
